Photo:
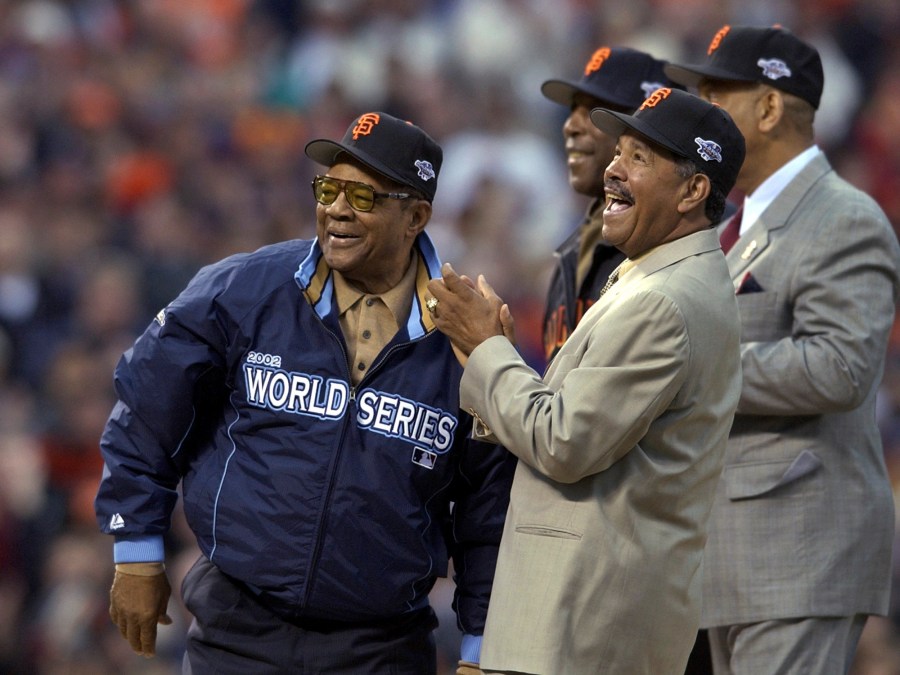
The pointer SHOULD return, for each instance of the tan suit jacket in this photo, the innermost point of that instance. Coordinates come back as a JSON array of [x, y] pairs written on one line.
[[620, 446], [803, 522]]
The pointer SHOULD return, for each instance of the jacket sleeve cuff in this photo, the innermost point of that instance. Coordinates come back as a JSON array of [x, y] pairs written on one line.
[[470, 648], [145, 548]]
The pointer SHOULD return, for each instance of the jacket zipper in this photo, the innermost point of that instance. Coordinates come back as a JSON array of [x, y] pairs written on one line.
[[351, 414], [323, 514]]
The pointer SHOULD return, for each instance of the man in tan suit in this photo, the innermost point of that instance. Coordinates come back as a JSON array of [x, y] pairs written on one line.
[[621, 443], [803, 523]]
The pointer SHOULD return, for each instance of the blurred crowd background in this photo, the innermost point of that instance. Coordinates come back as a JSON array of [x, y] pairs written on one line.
[[142, 139]]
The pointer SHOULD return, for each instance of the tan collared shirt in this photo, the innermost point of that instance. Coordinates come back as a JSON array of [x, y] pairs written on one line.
[[628, 263], [369, 321]]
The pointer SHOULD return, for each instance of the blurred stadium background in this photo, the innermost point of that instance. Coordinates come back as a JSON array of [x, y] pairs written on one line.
[[142, 139]]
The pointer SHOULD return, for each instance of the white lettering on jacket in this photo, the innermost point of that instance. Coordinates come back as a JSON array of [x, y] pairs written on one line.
[[297, 393], [381, 412], [398, 417]]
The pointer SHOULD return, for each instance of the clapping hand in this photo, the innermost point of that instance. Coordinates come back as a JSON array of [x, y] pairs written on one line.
[[468, 313]]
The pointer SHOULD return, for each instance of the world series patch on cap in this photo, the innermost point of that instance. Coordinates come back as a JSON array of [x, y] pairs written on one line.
[[617, 76], [394, 148], [687, 126], [773, 56]]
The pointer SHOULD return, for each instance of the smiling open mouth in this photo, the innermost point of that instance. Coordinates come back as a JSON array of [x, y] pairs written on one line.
[[616, 203]]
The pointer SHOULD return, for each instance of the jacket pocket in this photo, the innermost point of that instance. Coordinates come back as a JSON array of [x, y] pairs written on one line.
[[545, 531], [745, 481]]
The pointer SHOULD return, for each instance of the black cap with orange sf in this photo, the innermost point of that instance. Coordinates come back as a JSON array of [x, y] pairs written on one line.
[[616, 76], [687, 126], [394, 148], [771, 55]]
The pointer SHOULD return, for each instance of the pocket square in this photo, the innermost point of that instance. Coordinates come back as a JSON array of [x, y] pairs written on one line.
[[748, 285]]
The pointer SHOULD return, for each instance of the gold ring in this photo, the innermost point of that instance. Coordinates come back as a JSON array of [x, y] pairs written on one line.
[[431, 305]]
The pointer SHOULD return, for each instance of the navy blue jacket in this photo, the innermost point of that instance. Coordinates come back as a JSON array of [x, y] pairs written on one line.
[[325, 500]]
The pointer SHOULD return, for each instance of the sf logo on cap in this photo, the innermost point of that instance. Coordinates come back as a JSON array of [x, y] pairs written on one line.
[[596, 60], [649, 87], [660, 94], [717, 39], [365, 124]]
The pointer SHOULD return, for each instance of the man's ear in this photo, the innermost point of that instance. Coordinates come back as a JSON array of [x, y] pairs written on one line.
[[696, 189], [420, 214], [769, 109]]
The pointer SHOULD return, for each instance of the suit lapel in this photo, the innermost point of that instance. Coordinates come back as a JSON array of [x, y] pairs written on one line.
[[669, 254], [756, 240], [753, 242]]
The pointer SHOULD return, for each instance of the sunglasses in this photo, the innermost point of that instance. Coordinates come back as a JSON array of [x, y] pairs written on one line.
[[360, 196]]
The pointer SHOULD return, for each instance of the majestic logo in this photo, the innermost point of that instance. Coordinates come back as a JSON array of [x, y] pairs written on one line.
[[161, 317], [649, 87], [653, 100], [426, 171], [596, 60], [717, 39], [774, 68], [365, 124], [709, 150], [117, 522]]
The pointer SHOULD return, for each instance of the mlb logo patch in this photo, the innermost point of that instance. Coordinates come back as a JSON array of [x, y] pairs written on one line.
[[709, 150], [424, 457], [649, 87], [774, 68], [426, 170]]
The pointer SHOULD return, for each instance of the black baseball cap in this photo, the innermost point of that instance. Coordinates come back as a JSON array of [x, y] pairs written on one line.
[[618, 76], [773, 56], [687, 126], [394, 148]]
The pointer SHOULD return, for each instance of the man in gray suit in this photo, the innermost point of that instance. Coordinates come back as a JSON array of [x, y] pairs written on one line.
[[800, 539], [621, 443]]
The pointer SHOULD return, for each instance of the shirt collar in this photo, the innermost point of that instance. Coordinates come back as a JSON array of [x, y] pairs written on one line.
[[755, 204], [628, 263], [397, 298]]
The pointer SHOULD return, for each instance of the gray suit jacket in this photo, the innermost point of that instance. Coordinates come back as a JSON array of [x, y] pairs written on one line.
[[620, 446], [804, 516]]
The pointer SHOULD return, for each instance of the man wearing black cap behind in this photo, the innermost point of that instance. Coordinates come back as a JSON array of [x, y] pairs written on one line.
[[802, 527], [307, 406], [616, 78], [620, 443]]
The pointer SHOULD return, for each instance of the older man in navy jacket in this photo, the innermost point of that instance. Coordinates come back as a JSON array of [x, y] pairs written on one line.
[[309, 409]]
